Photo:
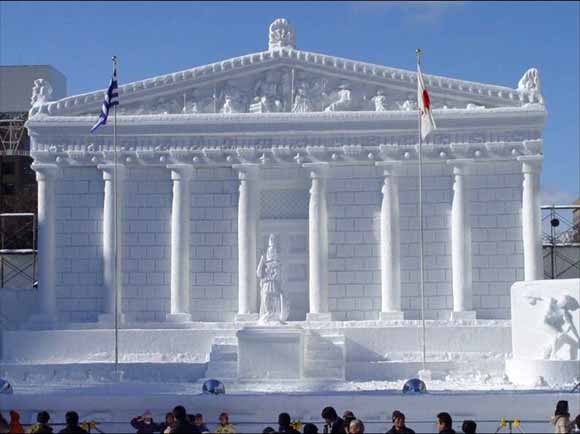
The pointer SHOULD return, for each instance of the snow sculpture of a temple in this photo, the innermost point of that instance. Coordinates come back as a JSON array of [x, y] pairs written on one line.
[[321, 151]]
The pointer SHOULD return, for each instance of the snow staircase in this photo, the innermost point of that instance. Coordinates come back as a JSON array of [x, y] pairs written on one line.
[[223, 358], [324, 355]]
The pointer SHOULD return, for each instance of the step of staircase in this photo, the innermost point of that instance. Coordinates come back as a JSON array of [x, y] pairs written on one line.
[[324, 356], [223, 358]]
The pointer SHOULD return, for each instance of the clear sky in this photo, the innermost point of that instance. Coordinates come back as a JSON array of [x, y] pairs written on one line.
[[489, 42]]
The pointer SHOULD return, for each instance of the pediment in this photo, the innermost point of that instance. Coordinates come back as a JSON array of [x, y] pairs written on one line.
[[283, 79]]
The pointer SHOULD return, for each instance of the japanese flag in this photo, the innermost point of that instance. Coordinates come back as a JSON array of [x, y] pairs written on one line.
[[424, 104]]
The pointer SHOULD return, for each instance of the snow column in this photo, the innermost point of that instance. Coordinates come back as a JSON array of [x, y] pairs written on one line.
[[112, 241], [461, 261], [390, 244], [248, 215], [532, 218], [318, 243], [180, 251], [46, 176]]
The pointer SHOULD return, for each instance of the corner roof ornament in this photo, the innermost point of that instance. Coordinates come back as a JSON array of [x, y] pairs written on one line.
[[281, 34]]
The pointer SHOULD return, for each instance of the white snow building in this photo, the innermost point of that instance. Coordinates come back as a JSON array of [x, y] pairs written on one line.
[[322, 151]]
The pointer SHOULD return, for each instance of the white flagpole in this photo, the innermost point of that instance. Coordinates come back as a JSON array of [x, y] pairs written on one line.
[[115, 225], [422, 265]]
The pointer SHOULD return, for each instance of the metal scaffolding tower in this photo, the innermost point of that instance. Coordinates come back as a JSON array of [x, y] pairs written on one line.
[[561, 241]]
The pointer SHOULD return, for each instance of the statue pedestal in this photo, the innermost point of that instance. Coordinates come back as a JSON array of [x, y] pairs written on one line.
[[270, 352]]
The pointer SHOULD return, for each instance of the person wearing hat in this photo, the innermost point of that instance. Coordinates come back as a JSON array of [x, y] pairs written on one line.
[[144, 424], [41, 426], [399, 426]]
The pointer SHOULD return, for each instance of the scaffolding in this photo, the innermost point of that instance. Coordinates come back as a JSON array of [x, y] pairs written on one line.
[[17, 262], [561, 241], [13, 134]]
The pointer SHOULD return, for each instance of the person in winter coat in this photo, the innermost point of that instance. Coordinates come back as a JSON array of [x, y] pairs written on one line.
[[182, 425], [399, 426], [199, 423], [4, 426], [576, 422], [561, 418], [284, 422], [333, 423], [72, 424], [15, 426], [144, 424], [445, 424], [225, 427], [166, 426], [41, 426], [356, 427]]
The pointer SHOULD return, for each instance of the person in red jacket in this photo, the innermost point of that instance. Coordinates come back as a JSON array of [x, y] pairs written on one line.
[[15, 426]]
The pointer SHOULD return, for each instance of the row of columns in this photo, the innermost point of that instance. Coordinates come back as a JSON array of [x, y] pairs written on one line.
[[248, 219]]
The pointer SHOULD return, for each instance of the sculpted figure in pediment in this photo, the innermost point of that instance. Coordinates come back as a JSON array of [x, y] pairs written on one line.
[[302, 102], [233, 100], [344, 100], [267, 95], [380, 101]]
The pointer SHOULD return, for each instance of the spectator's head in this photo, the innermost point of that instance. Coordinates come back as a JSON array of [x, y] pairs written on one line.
[[268, 430], [329, 414], [310, 428], [469, 427], [348, 413], [577, 422], [398, 419], [148, 416], [444, 421], [43, 417], [224, 418], [356, 427], [284, 419], [562, 409], [72, 418], [198, 419], [347, 421], [179, 413], [169, 419]]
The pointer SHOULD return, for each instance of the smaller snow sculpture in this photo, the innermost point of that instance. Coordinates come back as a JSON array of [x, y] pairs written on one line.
[[559, 325], [228, 106], [380, 101], [344, 99], [302, 102], [41, 92], [281, 34], [530, 84], [408, 105], [274, 305]]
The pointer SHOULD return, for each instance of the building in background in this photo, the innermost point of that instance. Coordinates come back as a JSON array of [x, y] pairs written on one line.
[[17, 180]]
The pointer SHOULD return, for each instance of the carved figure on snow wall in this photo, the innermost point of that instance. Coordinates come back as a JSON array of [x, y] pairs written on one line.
[[380, 101], [559, 325], [344, 99], [530, 82], [41, 92], [274, 306], [281, 34], [302, 102]]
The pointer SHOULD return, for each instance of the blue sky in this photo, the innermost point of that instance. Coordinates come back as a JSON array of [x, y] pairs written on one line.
[[489, 42]]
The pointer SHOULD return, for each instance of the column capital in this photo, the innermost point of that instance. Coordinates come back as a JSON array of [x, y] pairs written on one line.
[[110, 169], [390, 168], [247, 171], [46, 170], [461, 166], [180, 171], [317, 170], [531, 163]]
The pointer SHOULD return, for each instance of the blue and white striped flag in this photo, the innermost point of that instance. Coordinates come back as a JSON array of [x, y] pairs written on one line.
[[111, 99]]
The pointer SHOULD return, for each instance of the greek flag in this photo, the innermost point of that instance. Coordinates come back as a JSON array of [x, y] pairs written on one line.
[[111, 99]]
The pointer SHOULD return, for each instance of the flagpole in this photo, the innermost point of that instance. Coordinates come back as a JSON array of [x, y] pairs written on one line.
[[115, 224], [421, 259]]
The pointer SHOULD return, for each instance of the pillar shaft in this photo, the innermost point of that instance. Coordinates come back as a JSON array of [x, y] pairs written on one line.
[[112, 238], [532, 219], [390, 247], [180, 250], [248, 216], [46, 177], [318, 242]]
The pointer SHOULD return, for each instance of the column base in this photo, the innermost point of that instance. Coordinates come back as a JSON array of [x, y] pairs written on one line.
[[463, 315], [319, 316], [392, 316], [41, 321], [178, 317], [247, 317], [108, 320]]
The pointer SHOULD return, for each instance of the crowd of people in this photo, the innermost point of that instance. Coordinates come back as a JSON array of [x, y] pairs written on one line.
[[179, 421]]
